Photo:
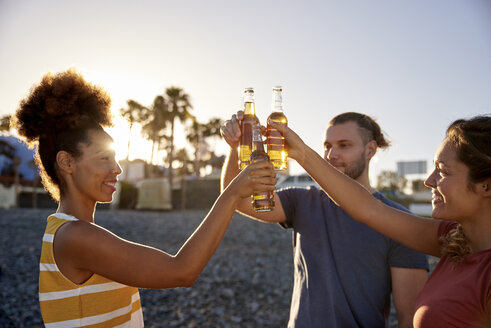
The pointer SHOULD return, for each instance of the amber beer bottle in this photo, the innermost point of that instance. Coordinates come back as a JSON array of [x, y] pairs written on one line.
[[275, 142], [261, 201], [248, 121]]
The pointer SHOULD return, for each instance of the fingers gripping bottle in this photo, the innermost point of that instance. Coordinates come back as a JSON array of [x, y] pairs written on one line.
[[245, 145], [261, 201], [274, 140]]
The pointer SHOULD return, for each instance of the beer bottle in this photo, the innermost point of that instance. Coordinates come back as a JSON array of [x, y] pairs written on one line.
[[261, 201], [245, 145], [275, 142]]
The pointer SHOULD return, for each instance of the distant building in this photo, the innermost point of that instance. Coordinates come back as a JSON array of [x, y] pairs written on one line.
[[411, 167], [415, 173]]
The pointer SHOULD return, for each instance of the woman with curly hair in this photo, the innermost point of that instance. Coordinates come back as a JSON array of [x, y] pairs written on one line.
[[89, 276], [458, 292]]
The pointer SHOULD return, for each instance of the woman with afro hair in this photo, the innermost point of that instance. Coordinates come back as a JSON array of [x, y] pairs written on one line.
[[90, 277], [458, 292]]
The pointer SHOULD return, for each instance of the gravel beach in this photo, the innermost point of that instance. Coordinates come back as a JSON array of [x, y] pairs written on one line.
[[247, 283]]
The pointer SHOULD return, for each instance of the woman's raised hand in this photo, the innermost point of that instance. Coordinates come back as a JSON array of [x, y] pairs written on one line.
[[256, 177]]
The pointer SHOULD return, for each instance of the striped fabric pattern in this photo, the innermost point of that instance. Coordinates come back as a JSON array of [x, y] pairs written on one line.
[[97, 303]]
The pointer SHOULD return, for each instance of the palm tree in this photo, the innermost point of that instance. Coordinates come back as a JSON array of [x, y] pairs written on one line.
[[5, 123], [158, 118], [134, 113], [197, 134], [179, 107], [161, 109], [183, 170], [213, 127], [183, 158], [389, 180], [195, 138]]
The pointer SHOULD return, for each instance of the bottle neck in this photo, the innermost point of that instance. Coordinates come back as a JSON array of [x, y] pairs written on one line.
[[257, 142], [249, 108], [277, 102], [257, 146]]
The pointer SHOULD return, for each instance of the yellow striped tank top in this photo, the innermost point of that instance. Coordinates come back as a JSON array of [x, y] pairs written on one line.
[[98, 302]]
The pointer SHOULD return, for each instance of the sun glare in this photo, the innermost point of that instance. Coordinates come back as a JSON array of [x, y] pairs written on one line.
[[139, 147], [121, 87]]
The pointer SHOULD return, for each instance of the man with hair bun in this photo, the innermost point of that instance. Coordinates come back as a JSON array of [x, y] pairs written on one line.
[[88, 276], [344, 272]]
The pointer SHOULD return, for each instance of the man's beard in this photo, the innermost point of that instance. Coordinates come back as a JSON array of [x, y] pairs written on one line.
[[355, 169]]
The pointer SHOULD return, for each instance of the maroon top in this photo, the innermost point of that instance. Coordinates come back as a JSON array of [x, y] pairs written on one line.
[[456, 295]]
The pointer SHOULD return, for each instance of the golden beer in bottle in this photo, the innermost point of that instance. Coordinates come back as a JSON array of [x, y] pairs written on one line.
[[248, 121], [275, 142], [261, 201]]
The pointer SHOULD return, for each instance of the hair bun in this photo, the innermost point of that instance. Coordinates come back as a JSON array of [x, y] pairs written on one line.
[[59, 102]]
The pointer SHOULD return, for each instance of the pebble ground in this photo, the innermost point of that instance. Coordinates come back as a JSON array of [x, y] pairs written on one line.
[[247, 283]]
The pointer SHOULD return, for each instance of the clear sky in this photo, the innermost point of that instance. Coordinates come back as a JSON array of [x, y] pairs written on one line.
[[415, 66]]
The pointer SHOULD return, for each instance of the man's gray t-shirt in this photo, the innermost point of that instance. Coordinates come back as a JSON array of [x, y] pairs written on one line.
[[342, 267]]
